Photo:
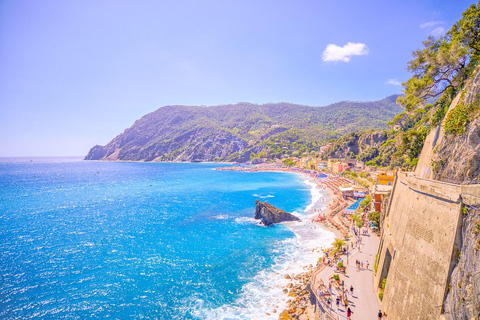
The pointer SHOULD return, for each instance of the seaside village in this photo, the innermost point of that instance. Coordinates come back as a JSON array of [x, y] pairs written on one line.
[[358, 197]]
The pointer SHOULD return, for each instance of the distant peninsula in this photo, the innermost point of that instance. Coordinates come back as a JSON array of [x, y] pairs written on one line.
[[242, 131]]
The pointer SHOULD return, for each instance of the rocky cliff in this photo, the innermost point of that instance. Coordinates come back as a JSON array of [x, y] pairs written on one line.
[[463, 299], [235, 132], [270, 214], [362, 145], [455, 156]]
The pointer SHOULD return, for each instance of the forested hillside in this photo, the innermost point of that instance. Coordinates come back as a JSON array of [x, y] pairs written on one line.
[[242, 131]]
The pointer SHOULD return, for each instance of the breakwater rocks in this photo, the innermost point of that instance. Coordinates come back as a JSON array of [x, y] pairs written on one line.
[[270, 214], [298, 305]]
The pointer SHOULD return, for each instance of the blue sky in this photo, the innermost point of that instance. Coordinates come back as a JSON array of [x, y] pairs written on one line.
[[77, 73]]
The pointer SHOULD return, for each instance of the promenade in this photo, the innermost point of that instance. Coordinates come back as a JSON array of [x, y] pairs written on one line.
[[364, 302]]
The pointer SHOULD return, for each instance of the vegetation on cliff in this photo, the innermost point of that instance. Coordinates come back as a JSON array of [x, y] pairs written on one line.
[[241, 132]]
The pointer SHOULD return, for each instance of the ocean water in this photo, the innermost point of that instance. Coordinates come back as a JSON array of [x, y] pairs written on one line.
[[121, 240]]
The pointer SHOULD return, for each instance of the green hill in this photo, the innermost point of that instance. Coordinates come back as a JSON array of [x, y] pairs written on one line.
[[241, 131]]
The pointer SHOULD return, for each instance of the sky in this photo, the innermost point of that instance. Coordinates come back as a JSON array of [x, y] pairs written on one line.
[[74, 74]]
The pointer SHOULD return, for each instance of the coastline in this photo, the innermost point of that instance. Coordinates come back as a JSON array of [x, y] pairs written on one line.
[[296, 289]]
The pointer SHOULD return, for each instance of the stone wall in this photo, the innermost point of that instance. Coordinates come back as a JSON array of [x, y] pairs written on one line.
[[419, 246]]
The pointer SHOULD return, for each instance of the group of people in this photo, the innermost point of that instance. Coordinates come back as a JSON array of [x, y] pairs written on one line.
[[360, 264]]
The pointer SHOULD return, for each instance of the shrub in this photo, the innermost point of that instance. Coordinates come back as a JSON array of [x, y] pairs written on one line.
[[380, 296], [375, 217], [340, 264], [371, 163], [336, 277], [384, 283], [456, 120]]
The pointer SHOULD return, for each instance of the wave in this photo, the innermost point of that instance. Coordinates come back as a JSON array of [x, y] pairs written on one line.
[[264, 197], [263, 295], [315, 193], [246, 220], [221, 217]]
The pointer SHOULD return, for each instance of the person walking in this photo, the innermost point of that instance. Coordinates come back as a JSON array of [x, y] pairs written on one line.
[[380, 315], [366, 264], [337, 302], [349, 314], [351, 290]]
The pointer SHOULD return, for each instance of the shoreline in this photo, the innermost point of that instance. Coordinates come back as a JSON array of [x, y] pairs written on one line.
[[296, 290]]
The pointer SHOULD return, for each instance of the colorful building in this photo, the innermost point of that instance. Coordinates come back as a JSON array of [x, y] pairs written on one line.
[[386, 178]]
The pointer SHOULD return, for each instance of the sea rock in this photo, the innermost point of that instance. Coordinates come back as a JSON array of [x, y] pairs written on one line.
[[270, 214]]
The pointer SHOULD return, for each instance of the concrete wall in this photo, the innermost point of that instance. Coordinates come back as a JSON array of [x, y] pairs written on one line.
[[420, 242]]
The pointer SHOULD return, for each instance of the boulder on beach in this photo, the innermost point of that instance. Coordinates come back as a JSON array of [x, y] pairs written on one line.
[[270, 214]]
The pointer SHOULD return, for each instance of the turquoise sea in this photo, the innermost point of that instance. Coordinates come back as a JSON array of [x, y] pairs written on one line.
[[123, 240]]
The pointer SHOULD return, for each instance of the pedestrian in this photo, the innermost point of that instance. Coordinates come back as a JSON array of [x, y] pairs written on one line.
[[349, 314], [338, 302], [330, 287], [346, 304], [351, 290], [380, 315], [366, 264], [361, 264]]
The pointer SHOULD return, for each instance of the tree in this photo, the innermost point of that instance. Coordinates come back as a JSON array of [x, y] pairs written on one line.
[[375, 217], [467, 30], [338, 244], [365, 202], [442, 63], [435, 69], [358, 219]]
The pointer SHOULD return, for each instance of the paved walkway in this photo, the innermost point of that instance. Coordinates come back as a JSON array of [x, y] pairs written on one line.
[[364, 302]]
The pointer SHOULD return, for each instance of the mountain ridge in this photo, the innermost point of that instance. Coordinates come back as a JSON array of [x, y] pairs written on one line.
[[238, 132]]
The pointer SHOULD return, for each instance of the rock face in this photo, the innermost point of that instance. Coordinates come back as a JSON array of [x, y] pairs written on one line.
[[269, 214], [454, 158], [463, 300]]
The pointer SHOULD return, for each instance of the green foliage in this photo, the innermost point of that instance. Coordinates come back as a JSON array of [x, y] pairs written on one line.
[[288, 162], [340, 264], [365, 202], [435, 68], [380, 296], [338, 244], [349, 174], [375, 264], [467, 30], [357, 218], [336, 277], [371, 163], [374, 217], [456, 120], [384, 283]]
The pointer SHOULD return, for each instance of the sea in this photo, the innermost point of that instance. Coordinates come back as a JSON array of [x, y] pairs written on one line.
[[134, 240]]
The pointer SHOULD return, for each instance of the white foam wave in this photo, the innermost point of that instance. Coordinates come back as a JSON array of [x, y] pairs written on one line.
[[264, 197], [264, 294], [221, 217], [315, 193], [246, 220]]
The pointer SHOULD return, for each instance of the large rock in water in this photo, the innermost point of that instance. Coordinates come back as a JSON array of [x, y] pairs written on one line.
[[269, 214]]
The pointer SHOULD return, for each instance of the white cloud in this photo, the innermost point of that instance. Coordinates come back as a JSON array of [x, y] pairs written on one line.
[[430, 24], [437, 32], [335, 53], [394, 82]]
